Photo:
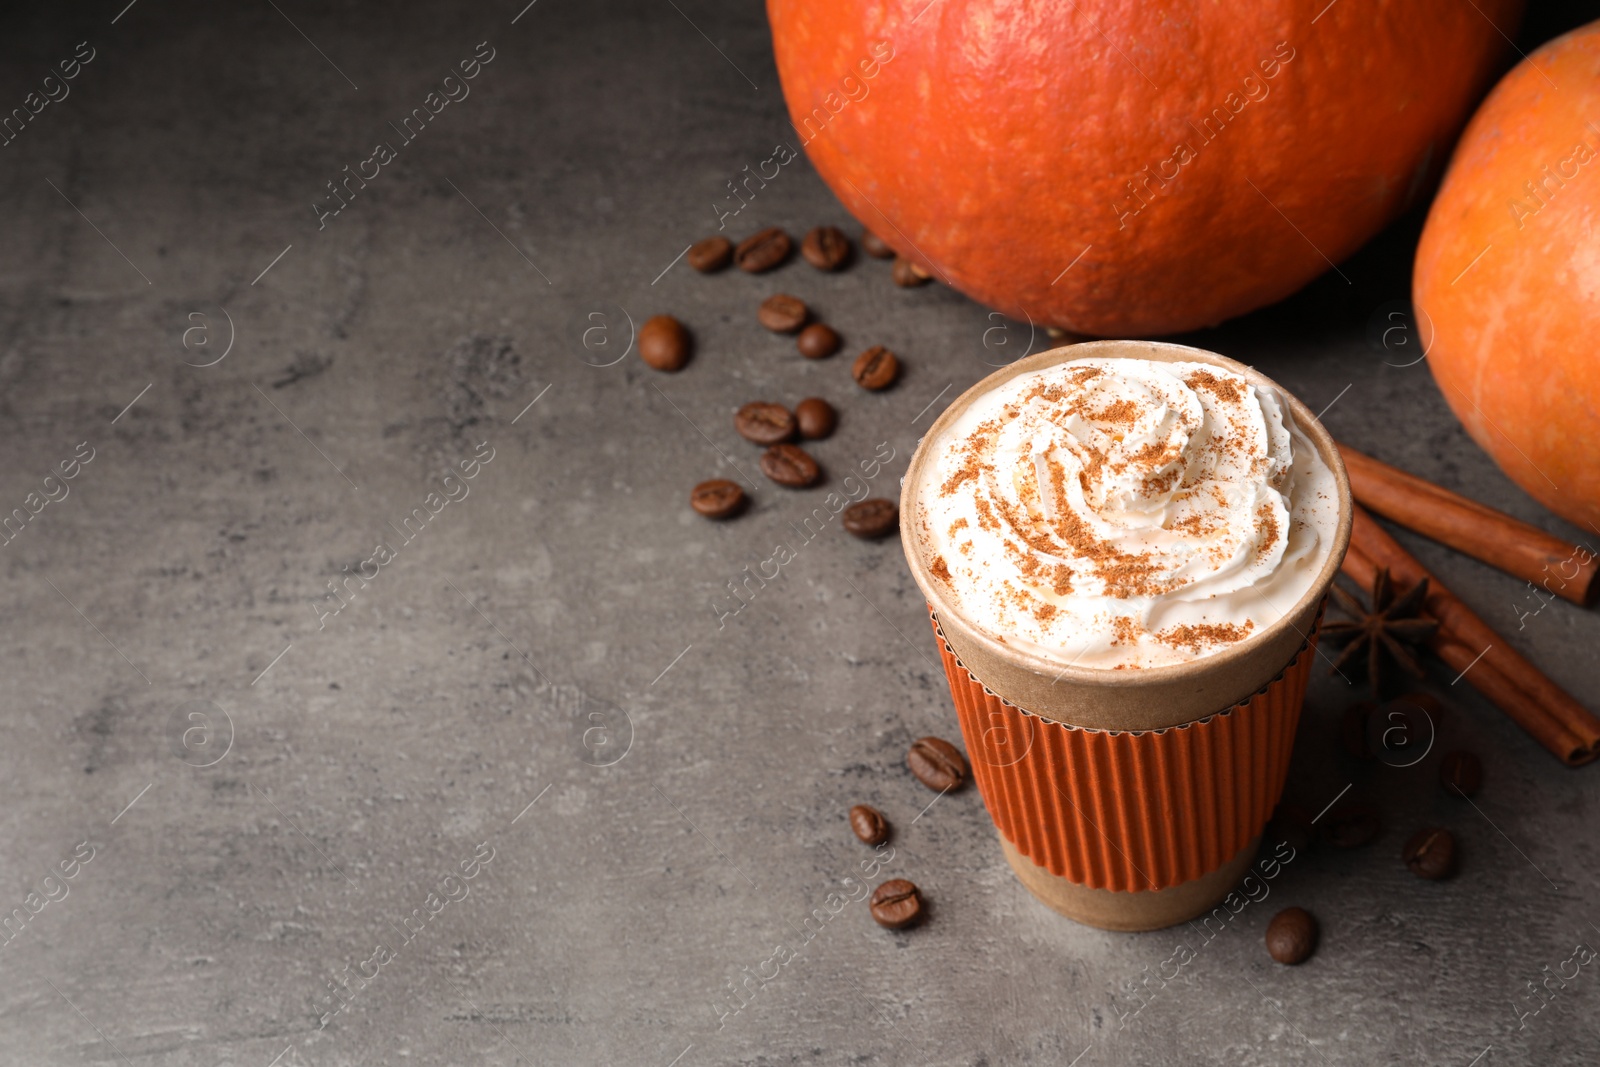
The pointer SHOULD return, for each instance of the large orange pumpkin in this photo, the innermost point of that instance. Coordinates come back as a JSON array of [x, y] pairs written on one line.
[[1122, 167], [1507, 279]]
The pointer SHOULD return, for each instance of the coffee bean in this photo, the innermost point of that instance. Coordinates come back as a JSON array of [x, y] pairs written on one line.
[[815, 417], [710, 255], [664, 343], [762, 423], [1461, 772], [896, 904], [1430, 854], [876, 368], [782, 313], [826, 248], [1291, 936], [907, 274], [872, 518], [763, 251], [874, 246], [1291, 823], [717, 499], [1353, 729], [869, 824], [1351, 827], [937, 763], [817, 341], [789, 466]]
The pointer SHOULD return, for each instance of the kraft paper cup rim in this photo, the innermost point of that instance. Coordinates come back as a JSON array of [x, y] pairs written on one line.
[[1238, 706], [1153, 678]]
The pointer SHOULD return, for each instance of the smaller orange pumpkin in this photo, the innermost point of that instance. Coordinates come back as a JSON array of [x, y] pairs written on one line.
[[1507, 280]]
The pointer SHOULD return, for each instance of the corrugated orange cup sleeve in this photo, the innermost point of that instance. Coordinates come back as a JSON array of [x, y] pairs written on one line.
[[1130, 810]]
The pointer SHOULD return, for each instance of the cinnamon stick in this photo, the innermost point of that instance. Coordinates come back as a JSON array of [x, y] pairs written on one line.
[[1523, 709], [1544, 560], [1464, 641]]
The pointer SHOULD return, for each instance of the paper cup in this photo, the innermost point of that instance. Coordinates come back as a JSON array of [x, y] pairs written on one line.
[[1129, 800]]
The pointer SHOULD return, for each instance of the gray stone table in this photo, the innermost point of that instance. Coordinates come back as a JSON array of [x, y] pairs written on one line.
[[258, 797]]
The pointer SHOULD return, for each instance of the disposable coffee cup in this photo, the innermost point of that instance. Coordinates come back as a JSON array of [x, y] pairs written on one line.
[[1128, 799]]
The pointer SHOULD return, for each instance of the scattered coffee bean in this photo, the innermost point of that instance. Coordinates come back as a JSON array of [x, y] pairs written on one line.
[[717, 499], [762, 423], [907, 274], [896, 904], [1430, 854], [876, 368], [789, 466], [937, 763], [1351, 827], [1461, 772], [664, 343], [1353, 730], [763, 251], [710, 255], [874, 246], [1291, 936], [871, 518], [869, 824], [815, 417], [1291, 823], [817, 341], [826, 248], [782, 313]]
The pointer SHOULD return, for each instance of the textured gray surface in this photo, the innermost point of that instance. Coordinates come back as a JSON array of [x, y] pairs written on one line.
[[379, 751]]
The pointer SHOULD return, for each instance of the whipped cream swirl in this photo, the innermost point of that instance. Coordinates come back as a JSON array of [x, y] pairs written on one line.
[[1126, 513]]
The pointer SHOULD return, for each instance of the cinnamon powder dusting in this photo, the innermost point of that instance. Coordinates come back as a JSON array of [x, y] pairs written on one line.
[[1061, 579], [1223, 388], [1118, 412], [1127, 631], [981, 442], [1267, 527], [1197, 637]]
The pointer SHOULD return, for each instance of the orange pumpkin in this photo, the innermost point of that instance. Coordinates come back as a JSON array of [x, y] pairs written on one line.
[[1507, 281], [1116, 167]]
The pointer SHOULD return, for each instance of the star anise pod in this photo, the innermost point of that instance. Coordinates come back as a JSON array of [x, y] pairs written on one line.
[[1390, 630]]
